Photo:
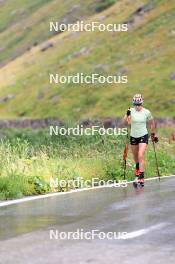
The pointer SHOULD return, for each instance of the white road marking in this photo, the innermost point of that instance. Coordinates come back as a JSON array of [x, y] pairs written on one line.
[[142, 232], [26, 199]]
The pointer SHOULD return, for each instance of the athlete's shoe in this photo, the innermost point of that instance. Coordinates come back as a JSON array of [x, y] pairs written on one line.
[[137, 172]]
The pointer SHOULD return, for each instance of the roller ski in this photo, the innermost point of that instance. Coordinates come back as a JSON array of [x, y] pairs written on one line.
[[139, 180]]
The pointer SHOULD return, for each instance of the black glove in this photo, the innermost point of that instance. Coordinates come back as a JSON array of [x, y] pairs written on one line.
[[154, 138], [128, 113]]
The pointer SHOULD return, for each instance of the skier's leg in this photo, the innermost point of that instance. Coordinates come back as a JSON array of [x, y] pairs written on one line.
[[142, 148], [141, 153], [135, 152]]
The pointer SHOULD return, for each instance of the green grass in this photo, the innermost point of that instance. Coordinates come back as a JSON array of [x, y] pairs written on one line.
[[145, 53], [103, 4], [28, 159]]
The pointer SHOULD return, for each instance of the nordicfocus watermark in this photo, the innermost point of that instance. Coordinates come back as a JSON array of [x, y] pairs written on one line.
[[81, 234], [81, 78], [81, 26], [79, 183], [79, 130]]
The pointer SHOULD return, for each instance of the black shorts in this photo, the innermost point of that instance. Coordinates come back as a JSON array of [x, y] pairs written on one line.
[[136, 141]]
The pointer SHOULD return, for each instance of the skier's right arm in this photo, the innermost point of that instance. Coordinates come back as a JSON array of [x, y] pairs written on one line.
[[127, 117]]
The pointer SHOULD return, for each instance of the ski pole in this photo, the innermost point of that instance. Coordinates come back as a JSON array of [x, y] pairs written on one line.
[[125, 155], [155, 154]]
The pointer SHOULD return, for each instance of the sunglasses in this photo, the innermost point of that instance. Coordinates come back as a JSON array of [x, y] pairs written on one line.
[[137, 104]]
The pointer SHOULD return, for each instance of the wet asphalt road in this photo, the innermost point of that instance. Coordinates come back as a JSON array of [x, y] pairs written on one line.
[[147, 216]]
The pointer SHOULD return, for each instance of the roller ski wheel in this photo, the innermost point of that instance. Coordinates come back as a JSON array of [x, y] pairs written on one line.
[[138, 182], [135, 182]]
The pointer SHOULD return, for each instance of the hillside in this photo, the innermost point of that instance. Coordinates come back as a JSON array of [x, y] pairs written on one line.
[[25, 23], [145, 53]]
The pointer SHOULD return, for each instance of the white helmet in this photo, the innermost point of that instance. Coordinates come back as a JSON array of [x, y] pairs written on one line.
[[137, 99]]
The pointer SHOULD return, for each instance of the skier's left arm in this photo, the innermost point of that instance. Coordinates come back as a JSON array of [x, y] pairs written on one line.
[[152, 126]]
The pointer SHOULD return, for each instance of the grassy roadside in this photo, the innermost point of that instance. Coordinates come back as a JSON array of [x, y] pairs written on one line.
[[30, 158]]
